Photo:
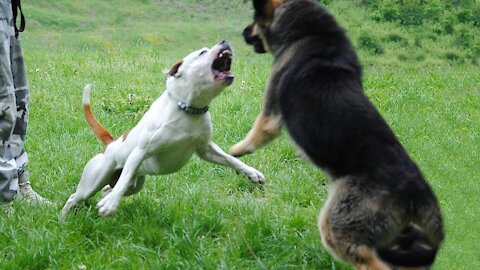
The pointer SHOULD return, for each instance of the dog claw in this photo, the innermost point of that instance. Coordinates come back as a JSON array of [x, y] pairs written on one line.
[[253, 175], [240, 153]]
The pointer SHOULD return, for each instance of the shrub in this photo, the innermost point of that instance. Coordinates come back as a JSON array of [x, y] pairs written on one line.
[[464, 37], [411, 12], [390, 11], [454, 57], [369, 43], [417, 12], [396, 38], [325, 2]]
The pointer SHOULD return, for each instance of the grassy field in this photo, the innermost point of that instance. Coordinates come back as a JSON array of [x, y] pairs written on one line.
[[205, 216]]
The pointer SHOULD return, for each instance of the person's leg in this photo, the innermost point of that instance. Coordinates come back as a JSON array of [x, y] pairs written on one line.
[[18, 137], [8, 168]]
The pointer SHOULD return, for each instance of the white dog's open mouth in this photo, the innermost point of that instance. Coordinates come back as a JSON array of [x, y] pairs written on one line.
[[221, 66]]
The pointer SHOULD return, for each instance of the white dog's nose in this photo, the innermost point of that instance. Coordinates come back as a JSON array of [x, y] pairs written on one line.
[[224, 44]]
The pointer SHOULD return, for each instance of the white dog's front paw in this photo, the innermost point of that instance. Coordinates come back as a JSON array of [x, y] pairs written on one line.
[[108, 205], [253, 174]]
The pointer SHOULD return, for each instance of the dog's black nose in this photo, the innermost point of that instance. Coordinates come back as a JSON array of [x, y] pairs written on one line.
[[225, 45]]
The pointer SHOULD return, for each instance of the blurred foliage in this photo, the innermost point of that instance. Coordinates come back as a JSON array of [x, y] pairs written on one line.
[[457, 18], [414, 30], [418, 12]]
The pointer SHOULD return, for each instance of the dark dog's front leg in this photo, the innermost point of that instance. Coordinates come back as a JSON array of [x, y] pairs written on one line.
[[268, 124], [267, 127]]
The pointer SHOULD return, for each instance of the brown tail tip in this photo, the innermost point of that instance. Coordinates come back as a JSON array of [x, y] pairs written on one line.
[[100, 131]]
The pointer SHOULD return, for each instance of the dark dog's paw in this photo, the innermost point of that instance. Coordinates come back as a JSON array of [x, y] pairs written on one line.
[[242, 148]]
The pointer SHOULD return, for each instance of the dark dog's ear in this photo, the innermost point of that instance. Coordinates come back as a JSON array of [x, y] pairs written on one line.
[[264, 9], [174, 69]]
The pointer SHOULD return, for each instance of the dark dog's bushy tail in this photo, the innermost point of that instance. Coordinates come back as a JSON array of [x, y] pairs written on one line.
[[411, 248], [100, 131]]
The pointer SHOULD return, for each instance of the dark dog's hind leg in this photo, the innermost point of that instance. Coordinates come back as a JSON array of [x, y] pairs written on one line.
[[348, 222]]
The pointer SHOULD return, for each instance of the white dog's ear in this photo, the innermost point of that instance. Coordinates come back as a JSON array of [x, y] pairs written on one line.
[[174, 69]]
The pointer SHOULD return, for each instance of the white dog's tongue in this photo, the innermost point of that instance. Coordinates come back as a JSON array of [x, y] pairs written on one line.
[[225, 76]]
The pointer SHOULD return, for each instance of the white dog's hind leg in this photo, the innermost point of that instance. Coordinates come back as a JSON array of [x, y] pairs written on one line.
[[69, 204], [96, 175], [214, 154], [106, 190], [133, 189]]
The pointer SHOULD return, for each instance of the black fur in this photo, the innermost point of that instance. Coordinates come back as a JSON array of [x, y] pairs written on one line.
[[409, 249], [320, 97], [253, 40]]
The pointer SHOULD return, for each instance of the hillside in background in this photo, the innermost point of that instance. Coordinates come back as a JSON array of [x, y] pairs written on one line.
[[391, 31], [413, 31]]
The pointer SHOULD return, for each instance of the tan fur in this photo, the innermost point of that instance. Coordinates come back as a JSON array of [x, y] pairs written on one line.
[[255, 31], [175, 67], [166, 137], [265, 129], [363, 215], [368, 259], [361, 257], [270, 8], [100, 131]]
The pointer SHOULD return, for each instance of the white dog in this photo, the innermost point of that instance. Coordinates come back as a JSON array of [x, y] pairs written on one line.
[[176, 125]]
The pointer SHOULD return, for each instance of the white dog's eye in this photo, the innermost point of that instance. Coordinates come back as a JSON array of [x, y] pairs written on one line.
[[202, 52]]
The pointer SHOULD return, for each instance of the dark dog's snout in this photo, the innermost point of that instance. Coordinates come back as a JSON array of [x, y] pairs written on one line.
[[253, 40], [247, 35]]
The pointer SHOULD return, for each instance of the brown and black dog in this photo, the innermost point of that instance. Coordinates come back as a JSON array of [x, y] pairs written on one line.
[[380, 212]]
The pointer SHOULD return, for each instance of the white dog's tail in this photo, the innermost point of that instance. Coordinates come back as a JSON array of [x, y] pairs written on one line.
[[100, 131]]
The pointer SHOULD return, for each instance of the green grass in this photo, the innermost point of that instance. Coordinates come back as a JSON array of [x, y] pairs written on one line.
[[205, 216]]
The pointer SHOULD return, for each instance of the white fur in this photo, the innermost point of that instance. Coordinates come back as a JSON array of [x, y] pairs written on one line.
[[163, 141]]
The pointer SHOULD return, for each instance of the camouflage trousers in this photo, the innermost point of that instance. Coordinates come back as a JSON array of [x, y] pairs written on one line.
[[14, 102]]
